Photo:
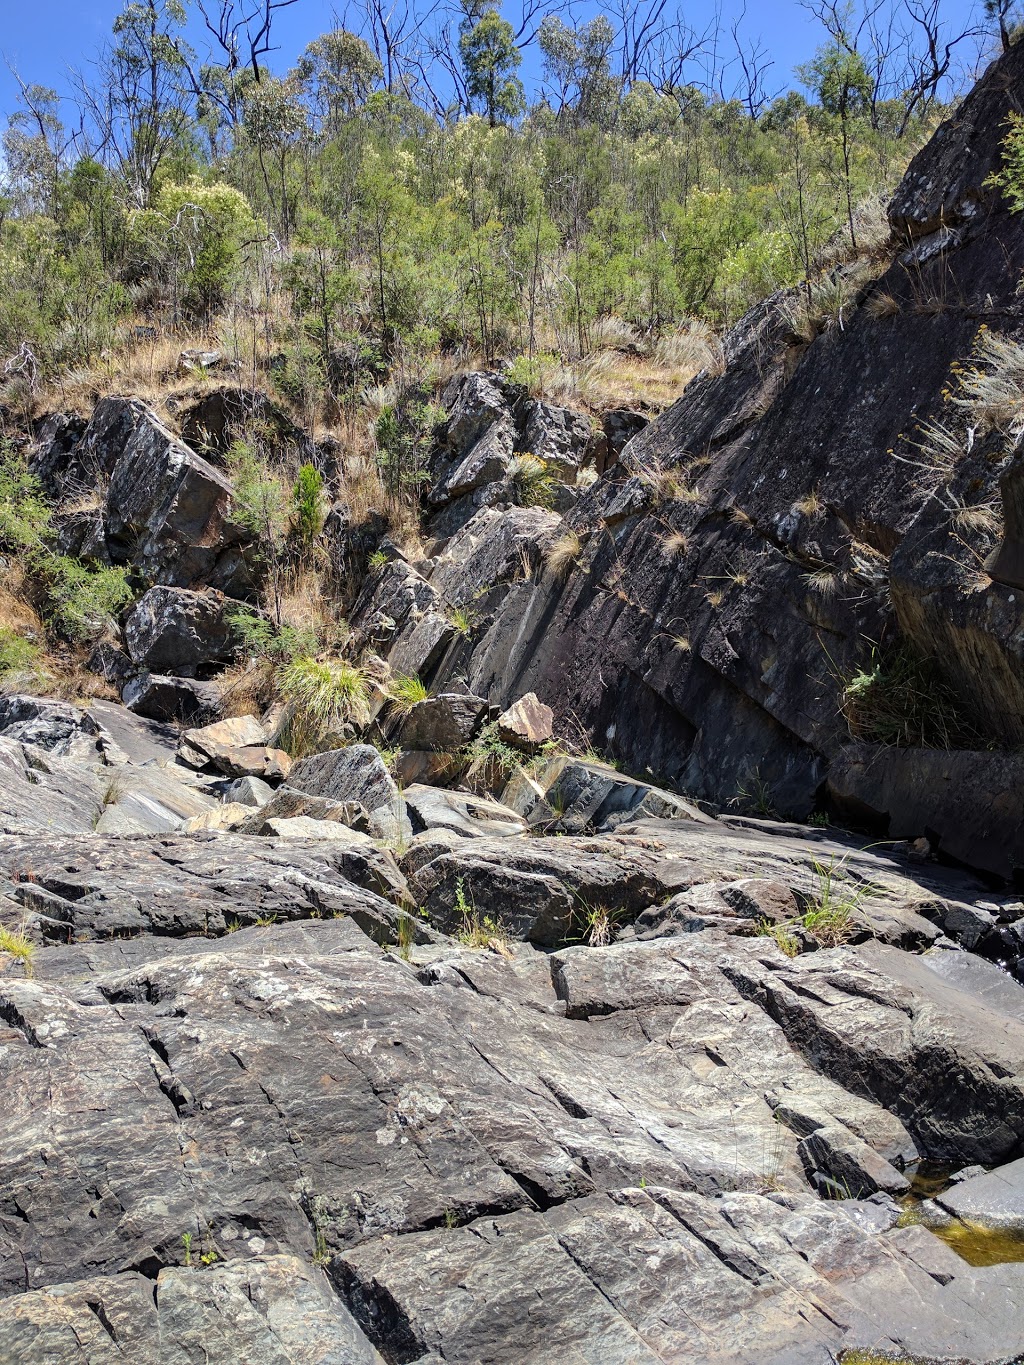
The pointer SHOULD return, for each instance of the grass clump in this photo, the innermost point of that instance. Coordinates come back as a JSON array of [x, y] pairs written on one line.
[[404, 692], [476, 930], [462, 619], [992, 392], [563, 554], [18, 945], [828, 913], [899, 698], [327, 697], [533, 481]]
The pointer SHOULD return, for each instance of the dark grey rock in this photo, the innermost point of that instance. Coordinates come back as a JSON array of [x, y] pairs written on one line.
[[355, 775], [442, 724], [969, 803], [179, 633], [172, 699]]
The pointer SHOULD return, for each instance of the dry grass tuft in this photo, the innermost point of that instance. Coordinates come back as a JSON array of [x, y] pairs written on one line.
[[883, 305], [563, 554], [810, 504], [674, 545], [825, 582], [993, 392]]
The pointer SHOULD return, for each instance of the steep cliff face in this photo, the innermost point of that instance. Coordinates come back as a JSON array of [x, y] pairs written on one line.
[[815, 500]]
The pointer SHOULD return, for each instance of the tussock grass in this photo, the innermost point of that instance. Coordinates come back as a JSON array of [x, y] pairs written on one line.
[[992, 393], [533, 481], [674, 545], [327, 697], [563, 553], [404, 692], [899, 698]]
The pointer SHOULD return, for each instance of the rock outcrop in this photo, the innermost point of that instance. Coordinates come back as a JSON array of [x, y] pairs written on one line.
[[700, 609], [541, 1057]]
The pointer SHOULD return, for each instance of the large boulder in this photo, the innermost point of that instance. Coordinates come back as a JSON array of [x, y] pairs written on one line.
[[442, 724], [356, 775], [167, 511], [179, 632], [182, 700], [559, 436]]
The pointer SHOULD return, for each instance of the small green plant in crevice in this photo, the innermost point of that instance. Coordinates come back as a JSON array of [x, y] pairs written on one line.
[[451, 1219], [405, 691], [265, 921], [261, 640], [378, 560], [314, 1208], [598, 923], [783, 935], [755, 793], [463, 619], [476, 930], [828, 912], [18, 945], [489, 744], [186, 1242], [899, 698], [81, 599], [828, 917], [406, 935]]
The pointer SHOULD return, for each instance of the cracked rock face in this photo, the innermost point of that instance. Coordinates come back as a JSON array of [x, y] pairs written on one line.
[[292, 1143], [288, 1099]]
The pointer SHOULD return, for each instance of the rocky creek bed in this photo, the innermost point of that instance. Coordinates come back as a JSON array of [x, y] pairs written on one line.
[[242, 1122]]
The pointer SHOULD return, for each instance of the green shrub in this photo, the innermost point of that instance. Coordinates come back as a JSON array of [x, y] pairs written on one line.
[[308, 505], [18, 656], [262, 639], [81, 600]]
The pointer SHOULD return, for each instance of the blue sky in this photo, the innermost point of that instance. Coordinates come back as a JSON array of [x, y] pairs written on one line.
[[43, 38]]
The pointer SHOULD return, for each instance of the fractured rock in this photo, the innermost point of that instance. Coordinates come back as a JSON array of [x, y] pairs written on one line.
[[526, 725], [179, 632], [356, 774]]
